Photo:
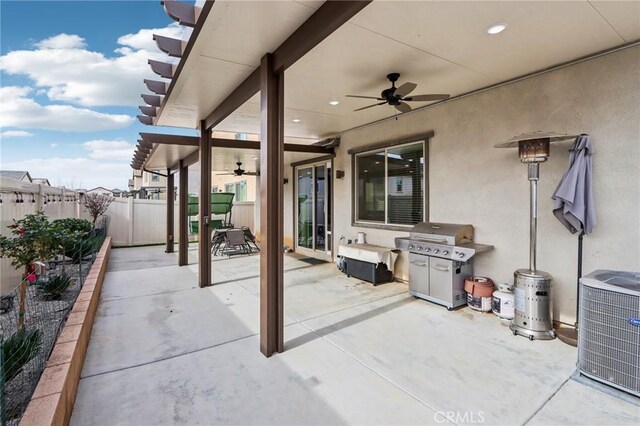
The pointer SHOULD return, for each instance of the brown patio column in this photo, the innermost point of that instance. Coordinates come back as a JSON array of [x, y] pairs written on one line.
[[183, 219], [271, 206], [170, 201], [204, 232]]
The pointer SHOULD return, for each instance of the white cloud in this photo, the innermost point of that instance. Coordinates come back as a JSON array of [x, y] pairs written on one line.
[[69, 72], [117, 149], [143, 39], [78, 172], [18, 110], [15, 134], [62, 41], [53, 145]]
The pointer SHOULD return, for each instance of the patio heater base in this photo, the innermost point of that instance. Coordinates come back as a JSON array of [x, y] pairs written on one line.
[[532, 305]]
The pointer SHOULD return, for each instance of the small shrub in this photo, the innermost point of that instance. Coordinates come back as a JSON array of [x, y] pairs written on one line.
[[19, 349], [54, 287], [74, 237]]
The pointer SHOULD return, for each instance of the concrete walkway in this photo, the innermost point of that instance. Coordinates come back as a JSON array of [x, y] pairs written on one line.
[[163, 351]]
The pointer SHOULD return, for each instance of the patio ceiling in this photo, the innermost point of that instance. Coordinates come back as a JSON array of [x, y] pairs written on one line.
[[441, 46]]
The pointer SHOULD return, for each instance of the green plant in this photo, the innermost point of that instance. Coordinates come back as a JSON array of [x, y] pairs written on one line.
[[75, 237], [19, 349], [34, 238], [54, 287]]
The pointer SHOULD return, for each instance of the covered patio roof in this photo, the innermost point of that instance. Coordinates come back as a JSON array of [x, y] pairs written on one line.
[[443, 47], [305, 57]]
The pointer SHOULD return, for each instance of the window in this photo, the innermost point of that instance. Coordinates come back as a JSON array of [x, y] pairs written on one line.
[[238, 188], [389, 185], [155, 178]]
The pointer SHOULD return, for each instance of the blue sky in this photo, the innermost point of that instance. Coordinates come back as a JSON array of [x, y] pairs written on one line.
[[71, 77]]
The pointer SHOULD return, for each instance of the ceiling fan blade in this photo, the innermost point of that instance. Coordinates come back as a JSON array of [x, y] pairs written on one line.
[[225, 174], [427, 98], [405, 89], [364, 97], [370, 106], [402, 107], [251, 173]]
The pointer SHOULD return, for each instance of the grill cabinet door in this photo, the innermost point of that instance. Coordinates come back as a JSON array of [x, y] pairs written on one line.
[[440, 279], [419, 273]]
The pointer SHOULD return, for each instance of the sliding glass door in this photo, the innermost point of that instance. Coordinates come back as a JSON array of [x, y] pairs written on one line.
[[313, 212]]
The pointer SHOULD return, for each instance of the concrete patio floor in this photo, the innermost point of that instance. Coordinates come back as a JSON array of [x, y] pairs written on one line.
[[163, 351]]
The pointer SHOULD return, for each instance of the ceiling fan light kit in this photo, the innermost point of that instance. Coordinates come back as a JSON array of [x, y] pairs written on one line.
[[397, 96]]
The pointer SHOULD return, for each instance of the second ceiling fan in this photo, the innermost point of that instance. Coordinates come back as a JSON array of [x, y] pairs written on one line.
[[240, 171], [397, 96]]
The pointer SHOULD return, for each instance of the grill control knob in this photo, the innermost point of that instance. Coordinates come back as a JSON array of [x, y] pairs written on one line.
[[427, 250], [446, 252], [420, 248], [436, 251], [460, 255], [410, 246]]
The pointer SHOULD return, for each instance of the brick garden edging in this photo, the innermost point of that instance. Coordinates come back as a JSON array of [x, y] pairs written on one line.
[[52, 401]]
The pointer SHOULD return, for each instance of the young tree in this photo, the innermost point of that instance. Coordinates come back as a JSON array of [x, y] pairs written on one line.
[[33, 239], [96, 205]]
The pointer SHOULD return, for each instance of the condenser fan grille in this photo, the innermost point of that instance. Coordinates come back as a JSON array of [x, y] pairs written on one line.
[[609, 346]]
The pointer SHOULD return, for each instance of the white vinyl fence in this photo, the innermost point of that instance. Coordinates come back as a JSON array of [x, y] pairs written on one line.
[[136, 222], [22, 198]]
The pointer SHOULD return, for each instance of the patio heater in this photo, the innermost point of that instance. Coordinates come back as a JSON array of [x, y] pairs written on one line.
[[533, 287]]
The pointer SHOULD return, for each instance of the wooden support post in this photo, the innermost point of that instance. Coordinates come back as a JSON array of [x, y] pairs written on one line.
[[271, 207], [204, 209], [171, 196], [183, 219]]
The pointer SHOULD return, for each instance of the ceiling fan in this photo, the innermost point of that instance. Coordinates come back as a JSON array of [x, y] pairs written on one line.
[[397, 96], [240, 172]]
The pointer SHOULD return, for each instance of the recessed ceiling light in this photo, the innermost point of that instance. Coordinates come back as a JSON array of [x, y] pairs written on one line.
[[334, 103], [296, 120], [255, 158], [496, 29]]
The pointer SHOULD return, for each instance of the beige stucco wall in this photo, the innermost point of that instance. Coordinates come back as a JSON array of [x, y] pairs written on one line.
[[472, 182], [221, 180]]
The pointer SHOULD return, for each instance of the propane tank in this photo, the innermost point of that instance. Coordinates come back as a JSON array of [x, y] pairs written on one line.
[[479, 291], [503, 301]]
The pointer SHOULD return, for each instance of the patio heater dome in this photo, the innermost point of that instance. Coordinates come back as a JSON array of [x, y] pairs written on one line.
[[533, 287]]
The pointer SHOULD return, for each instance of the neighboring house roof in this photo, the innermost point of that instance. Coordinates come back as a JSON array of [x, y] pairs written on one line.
[[100, 188], [16, 175], [116, 190], [43, 181]]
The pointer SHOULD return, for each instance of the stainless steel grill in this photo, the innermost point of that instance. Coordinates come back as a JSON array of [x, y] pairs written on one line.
[[440, 257]]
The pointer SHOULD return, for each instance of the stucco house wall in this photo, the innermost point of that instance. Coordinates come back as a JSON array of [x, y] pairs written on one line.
[[472, 182]]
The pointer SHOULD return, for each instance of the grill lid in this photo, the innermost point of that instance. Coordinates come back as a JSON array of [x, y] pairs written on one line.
[[446, 233]]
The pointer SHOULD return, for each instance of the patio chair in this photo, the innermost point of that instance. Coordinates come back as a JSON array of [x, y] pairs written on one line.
[[221, 204], [250, 238], [218, 240], [235, 242]]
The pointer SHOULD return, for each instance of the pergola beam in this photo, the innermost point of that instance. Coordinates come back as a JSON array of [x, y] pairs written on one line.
[[324, 21], [170, 139]]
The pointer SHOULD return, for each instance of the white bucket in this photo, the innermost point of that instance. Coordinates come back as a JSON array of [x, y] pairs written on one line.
[[360, 239]]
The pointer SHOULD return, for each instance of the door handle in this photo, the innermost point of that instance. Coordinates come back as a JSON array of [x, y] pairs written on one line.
[[418, 263], [441, 268]]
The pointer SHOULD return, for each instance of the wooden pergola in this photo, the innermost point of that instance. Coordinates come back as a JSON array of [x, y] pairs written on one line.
[[268, 79]]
